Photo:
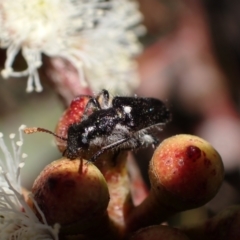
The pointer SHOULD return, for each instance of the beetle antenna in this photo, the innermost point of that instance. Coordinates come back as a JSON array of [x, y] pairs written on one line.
[[37, 129]]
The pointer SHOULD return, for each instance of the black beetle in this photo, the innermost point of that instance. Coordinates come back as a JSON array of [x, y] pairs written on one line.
[[122, 123]]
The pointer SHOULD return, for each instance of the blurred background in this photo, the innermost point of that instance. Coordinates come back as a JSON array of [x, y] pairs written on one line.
[[191, 61]]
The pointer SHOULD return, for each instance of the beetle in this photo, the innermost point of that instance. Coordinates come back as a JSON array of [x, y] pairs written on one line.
[[118, 123]]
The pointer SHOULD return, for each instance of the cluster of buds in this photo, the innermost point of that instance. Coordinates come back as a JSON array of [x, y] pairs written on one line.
[[76, 199], [94, 201]]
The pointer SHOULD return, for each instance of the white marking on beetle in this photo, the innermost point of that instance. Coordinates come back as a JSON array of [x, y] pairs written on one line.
[[127, 109]]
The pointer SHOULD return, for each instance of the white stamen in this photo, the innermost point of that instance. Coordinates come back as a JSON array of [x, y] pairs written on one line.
[[14, 222], [92, 35], [12, 135], [19, 143], [22, 127], [24, 155], [21, 165]]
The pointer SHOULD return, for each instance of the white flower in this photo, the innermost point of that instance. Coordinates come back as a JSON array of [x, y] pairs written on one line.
[[17, 219], [98, 37], [113, 45]]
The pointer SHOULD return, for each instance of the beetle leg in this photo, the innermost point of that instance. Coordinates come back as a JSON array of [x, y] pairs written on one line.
[[108, 147], [91, 107], [136, 145], [103, 99]]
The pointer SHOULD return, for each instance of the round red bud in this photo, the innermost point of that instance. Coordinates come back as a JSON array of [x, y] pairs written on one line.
[[71, 191], [185, 172], [72, 114]]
